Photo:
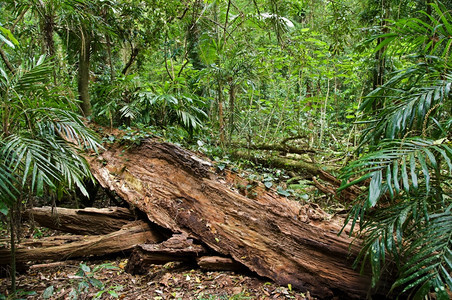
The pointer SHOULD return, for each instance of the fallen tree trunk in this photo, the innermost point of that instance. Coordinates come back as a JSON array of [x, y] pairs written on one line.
[[283, 148], [309, 170], [271, 235], [219, 263], [92, 221], [176, 248], [60, 248], [306, 169]]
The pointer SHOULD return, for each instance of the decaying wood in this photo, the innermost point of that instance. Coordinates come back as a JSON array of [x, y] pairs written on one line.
[[283, 148], [59, 248], [49, 265], [219, 263], [270, 235], [348, 195], [308, 170], [176, 248], [93, 221]]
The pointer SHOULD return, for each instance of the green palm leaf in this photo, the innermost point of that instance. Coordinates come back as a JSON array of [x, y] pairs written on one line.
[[431, 246], [396, 164], [405, 217]]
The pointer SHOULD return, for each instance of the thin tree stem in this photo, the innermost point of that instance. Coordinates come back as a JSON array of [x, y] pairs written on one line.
[[6, 61], [13, 251]]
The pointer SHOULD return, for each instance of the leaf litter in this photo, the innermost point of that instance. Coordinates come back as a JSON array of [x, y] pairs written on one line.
[[106, 279]]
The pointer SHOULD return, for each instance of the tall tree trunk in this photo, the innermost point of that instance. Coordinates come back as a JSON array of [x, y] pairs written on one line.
[[6, 61], [232, 89], [380, 61], [193, 34], [220, 111], [133, 56], [83, 74], [48, 29], [110, 62], [13, 250]]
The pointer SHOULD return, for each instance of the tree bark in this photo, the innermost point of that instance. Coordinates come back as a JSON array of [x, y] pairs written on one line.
[[232, 92], [60, 248], [83, 74], [219, 263], [306, 169], [7, 62], [177, 248], [271, 235], [133, 56], [277, 147], [91, 221]]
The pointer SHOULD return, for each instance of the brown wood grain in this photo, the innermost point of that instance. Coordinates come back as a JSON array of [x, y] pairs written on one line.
[[271, 235]]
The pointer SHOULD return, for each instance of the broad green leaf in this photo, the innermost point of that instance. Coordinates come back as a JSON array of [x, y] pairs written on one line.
[[425, 171], [389, 181], [95, 282], [113, 294], [413, 172], [85, 268], [48, 292], [395, 174], [406, 184], [431, 157], [6, 41], [3, 208], [282, 192], [10, 36], [375, 189]]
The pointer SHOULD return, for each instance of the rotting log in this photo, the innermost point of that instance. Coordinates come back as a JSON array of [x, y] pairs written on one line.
[[60, 248], [91, 221], [283, 148], [219, 263], [176, 248], [308, 170], [270, 235]]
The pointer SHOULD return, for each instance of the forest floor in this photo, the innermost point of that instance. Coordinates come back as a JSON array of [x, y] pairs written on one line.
[[106, 279]]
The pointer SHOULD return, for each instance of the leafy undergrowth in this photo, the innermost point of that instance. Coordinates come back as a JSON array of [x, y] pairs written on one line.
[[108, 280]]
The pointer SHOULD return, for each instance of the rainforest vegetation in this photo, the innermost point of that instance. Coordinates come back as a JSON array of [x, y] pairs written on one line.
[[361, 89]]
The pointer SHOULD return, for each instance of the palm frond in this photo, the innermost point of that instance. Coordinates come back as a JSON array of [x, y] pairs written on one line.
[[66, 124], [8, 190], [399, 166], [32, 78], [45, 161], [409, 107], [405, 215], [415, 35], [31, 158], [429, 256], [383, 235]]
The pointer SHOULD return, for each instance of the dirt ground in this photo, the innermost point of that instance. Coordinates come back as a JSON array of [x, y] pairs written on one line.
[[107, 279]]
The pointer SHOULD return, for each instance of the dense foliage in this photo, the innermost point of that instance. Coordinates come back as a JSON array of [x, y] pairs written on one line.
[[407, 161], [222, 73]]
